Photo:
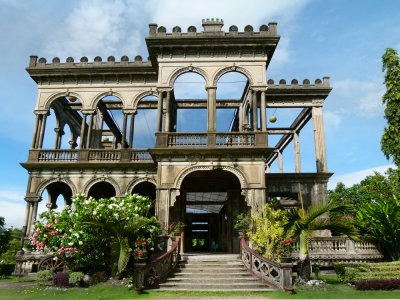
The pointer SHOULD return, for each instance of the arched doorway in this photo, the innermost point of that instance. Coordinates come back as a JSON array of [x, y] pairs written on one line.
[[102, 189], [208, 203], [59, 195]]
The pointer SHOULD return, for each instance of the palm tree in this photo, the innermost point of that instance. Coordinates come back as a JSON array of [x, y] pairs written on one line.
[[301, 225]]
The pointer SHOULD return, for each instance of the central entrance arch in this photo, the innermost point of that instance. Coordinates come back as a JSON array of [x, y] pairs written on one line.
[[208, 203]]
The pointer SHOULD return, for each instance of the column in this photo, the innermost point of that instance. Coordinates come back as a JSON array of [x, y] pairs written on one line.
[[241, 117], [131, 129], [167, 125], [183, 217], [263, 115], [319, 139], [59, 134], [35, 132], [42, 129], [29, 223], [296, 143], [34, 214], [211, 108], [268, 169], [280, 162], [159, 111], [254, 108], [89, 135], [81, 142], [251, 121], [123, 142]]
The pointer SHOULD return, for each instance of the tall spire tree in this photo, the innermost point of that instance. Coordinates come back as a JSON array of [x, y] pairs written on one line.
[[391, 135]]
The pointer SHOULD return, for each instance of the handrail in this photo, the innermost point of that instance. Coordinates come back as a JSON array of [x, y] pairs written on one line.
[[276, 274], [150, 274]]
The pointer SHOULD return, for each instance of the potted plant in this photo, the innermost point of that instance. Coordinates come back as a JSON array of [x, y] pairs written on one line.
[[284, 250], [140, 252], [243, 224], [176, 228]]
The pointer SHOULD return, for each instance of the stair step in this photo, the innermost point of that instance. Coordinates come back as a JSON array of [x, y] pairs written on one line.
[[245, 290], [212, 280], [215, 285], [212, 275]]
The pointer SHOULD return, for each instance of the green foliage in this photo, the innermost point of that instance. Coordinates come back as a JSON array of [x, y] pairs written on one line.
[[5, 236], [97, 235], [301, 224], [6, 269], [76, 278], [13, 246], [390, 140], [380, 221], [269, 231], [44, 277], [366, 271], [243, 223]]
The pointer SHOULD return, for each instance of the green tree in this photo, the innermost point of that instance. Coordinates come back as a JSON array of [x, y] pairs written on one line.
[[5, 236], [302, 224], [391, 134], [13, 246]]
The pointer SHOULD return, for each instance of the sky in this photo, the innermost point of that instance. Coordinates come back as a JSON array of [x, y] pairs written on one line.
[[341, 39]]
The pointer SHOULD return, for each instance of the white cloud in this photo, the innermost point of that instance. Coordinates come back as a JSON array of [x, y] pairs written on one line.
[[363, 98], [350, 179], [331, 120], [11, 195], [13, 213]]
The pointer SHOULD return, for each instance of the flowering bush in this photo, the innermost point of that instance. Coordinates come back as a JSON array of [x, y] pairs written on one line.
[[175, 227], [140, 250], [97, 235], [285, 247]]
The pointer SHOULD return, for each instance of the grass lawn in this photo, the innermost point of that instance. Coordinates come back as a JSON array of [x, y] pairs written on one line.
[[334, 290]]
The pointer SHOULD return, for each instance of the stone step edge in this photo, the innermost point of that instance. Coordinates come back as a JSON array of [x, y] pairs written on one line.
[[215, 290]]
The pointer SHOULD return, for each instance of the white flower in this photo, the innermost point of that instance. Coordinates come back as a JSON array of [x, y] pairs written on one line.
[[71, 230], [80, 242], [76, 234], [70, 244], [95, 212]]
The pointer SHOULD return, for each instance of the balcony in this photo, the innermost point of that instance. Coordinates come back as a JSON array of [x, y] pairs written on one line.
[[89, 156]]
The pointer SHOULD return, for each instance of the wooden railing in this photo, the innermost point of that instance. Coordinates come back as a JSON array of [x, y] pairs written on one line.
[[187, 140], [232, 139], [151, 274], [276, 274], [58, 155]]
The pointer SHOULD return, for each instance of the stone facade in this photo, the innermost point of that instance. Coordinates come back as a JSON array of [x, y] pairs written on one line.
[[101, 160]]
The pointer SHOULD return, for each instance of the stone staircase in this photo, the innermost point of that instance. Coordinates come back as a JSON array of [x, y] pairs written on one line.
[[213, 272]]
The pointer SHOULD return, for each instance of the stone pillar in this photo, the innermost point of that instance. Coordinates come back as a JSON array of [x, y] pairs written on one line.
[[319, 139], [42, 130], [162, 207], [131, 129], [82, 138], [246, 122], [167, 125], [59, 134], [280, 162], [182, 218], [297, 161], [159, 111], [89, 135], [268, 169], [255, 111], [241, 117], [263, 114], [123, 142], [211, 109], [35, 132]]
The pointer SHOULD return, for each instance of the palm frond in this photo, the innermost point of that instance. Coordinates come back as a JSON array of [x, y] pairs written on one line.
[[344, 229]]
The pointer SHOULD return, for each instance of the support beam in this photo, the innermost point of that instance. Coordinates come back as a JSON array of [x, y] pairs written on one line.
[[89, 135], [110, 122], [35, 132], [319, 140], [254, 107], [211, 109], [42, 130], [280, 162], [159, 111], [167, 125], [123, 142], [297, 161], [82, 138], [131, 129], [263, 114]]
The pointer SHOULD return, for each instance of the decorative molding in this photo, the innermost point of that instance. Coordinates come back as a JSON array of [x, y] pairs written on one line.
[[41, 187], [137, 181], [105, 178], [179, 71], [233, 68]]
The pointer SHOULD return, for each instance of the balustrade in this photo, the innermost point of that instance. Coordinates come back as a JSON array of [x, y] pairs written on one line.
[[104, 155], [276, 274], [151, 274], [234, 140], [187, 140], [141, 156], [58, 155]]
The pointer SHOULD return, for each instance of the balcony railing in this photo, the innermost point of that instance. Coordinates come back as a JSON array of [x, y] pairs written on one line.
[[211, 139], [89, 156]]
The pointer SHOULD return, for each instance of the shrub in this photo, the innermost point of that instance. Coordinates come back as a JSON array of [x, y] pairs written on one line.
[[6, 269], [76, 278], [44, 277], [367, 271], [98, 277], [378, 284], [61, 279]]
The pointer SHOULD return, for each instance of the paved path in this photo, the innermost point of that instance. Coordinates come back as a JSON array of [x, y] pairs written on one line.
[[16, 285]]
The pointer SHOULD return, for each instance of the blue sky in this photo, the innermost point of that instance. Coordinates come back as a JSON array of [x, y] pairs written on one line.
[[341, 39]]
